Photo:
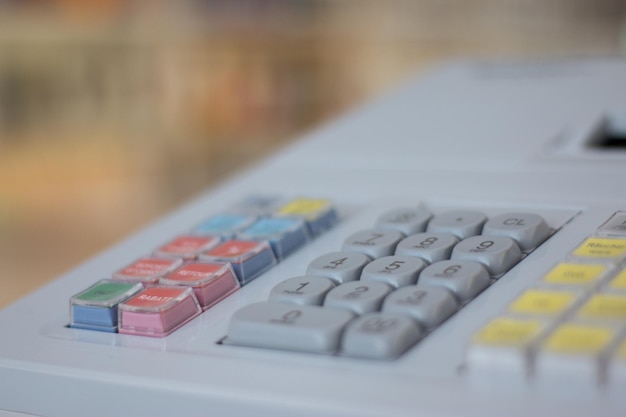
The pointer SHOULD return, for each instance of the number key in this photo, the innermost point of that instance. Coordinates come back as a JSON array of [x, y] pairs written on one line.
[[464, 279], [302, 290], [432, 247], [380, 336], [498, 254], [359, 297], [397, 271], [373, 242], [339, 266]]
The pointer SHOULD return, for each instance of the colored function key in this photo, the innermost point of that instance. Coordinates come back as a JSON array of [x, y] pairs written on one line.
[[604, 307], [158, 311], [284, 234], [210, 282], [575, 348], [96, 307], [542, 302], [225, 225], [319, 214], [575, 274], [147, 270], [507, 332], [187, 247], [249, 259], [601, 249], [505, 342]]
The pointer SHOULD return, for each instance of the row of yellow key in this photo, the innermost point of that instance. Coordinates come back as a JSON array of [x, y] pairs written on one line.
[[576, 313]]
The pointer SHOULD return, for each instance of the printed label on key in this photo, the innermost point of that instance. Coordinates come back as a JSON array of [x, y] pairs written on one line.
[[509, 332], [574, 274], [601, 248], [542, 302]]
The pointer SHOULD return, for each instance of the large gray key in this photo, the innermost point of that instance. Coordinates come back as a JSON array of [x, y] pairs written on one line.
[[380, 336], [432, 247], [408, 220], [373, 242], [464, 279], [498, 254], [286, 326], [461, 224], [302, 290], [359, 297], [397, 271], [430, 306], [339, 266], [527, 229]]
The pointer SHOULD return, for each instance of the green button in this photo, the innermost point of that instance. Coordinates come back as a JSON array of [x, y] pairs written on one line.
[[106, 293]]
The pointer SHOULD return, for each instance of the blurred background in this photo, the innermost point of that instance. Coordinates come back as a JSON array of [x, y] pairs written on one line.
[[113, 112]]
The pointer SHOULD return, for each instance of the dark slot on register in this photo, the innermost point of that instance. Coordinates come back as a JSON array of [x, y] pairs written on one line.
[[611, 134]]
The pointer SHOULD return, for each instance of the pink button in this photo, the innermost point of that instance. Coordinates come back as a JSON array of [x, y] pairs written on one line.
[[157, 311], [147, 270], [211, 282], [187, 247]]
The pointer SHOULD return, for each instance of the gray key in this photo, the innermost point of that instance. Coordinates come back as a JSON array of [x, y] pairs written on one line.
[[339, 266], [302, 290], [432, 247], [430, 306], [498, 254], [464, 279], [528, 230], [286, 326], [614, 226], [397, 271], [359, 297], [409, 220], [461, 224], [373, 242], [380, 336]]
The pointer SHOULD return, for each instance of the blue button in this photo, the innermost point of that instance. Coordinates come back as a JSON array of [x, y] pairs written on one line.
[[284, 234], [224, 225]]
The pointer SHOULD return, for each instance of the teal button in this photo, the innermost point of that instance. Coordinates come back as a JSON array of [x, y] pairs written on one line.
[[224, 224], [269, 227]]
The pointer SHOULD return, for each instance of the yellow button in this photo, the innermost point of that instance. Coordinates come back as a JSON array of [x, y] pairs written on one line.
[[574, 274], [619, 282], [601, 248], [604, 306], [508, 332], [542, 302], [304, 207], [579, 339]]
